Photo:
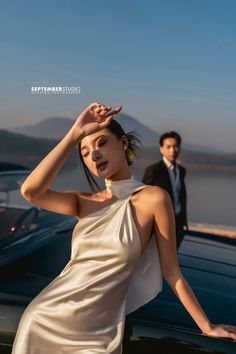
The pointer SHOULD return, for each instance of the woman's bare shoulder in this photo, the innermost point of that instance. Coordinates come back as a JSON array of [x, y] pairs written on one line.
[[87, 200], [153, 196], [152, 199], [154, 192], [89, 195]]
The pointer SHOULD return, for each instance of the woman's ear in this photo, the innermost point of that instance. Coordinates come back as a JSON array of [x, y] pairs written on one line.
[[125, 142]]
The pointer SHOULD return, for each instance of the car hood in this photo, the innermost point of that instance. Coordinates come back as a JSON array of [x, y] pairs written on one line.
[[208, 263], [18, 246]]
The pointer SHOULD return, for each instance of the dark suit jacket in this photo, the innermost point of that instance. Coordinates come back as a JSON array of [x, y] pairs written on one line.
[[157, 175]]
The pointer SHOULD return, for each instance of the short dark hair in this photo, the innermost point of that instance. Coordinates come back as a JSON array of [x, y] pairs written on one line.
[[132, 152], [171, 134]]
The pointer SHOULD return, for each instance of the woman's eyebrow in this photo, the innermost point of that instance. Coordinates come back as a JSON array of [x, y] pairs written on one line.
[[93, 141]]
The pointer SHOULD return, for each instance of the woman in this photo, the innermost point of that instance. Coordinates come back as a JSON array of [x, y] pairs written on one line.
[[117, 261]]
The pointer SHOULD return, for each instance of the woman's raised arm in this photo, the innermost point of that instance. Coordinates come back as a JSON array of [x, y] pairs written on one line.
[[35, 188], [166, 240]]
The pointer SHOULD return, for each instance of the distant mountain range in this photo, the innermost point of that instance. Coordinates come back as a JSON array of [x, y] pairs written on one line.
[[57, 127], [29, 151]]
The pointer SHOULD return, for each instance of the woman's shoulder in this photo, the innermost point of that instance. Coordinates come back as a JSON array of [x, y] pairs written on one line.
[[156, 190], [153, 194], [150, 199], [89, 196]]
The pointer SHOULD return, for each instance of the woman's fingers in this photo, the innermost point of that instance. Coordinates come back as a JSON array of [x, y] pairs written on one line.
[[103, 111], [231, 331], [106, 122], [115, 111], [224, 331], [95, 105], [230, 334], [231, 328], [100, 113], [103, 114]]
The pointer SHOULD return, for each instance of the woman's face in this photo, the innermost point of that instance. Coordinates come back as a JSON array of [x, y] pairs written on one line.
[[103, 153]]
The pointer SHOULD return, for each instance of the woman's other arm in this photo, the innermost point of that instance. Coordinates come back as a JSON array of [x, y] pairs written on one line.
[[166, 240]]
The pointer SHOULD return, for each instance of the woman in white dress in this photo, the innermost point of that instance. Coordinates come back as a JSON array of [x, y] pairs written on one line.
[[122, 245]]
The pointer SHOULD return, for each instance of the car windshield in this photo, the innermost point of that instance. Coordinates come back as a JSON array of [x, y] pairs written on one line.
[[10, 183], [14, 218]]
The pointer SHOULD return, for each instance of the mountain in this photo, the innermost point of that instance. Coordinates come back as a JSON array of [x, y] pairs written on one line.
[[57, 127], [29, 151], [49, 128]]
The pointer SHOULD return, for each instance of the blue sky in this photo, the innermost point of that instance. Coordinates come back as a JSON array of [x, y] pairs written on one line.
[[170, 63]]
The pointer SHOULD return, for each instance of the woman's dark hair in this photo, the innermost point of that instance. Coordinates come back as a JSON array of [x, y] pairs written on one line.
[[171, 134], [132, 152]]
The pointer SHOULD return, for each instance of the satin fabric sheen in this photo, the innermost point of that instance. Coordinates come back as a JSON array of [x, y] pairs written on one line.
[[82, 311]]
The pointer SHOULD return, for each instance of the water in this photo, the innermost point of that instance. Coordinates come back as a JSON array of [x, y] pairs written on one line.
[[211, 195]]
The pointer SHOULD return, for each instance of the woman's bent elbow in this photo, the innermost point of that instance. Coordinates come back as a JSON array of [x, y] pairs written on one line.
[[26, 194]]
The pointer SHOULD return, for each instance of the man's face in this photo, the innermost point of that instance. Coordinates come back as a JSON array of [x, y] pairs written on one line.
[[170, 149]]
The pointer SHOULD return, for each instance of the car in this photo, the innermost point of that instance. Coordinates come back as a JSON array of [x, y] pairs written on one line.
[[35, 246], [163, 326]]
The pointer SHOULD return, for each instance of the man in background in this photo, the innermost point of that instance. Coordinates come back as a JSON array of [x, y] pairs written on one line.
[[169, 175]]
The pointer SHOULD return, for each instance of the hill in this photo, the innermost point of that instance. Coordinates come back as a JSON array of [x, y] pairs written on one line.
[[28, 151], [57, 127]]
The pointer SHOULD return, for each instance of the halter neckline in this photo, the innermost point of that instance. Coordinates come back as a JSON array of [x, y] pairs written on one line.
[[123, 187]]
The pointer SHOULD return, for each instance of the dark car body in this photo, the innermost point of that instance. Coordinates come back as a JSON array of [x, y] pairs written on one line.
[[33, 256], [34, 246], [163, 326]]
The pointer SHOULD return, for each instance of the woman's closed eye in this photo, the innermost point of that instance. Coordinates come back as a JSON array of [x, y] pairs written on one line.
[[103, 142], [85, 154]]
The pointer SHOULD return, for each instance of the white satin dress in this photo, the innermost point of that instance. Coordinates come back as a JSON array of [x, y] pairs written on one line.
[[82, 311]]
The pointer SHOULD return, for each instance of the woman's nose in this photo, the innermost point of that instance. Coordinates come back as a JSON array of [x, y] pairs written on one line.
[[96, 155]]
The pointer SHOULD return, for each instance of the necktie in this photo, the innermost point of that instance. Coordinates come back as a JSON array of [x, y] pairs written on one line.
[[174, 170]]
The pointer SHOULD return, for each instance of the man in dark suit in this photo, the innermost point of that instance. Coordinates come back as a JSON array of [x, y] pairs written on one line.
[[169, 175]]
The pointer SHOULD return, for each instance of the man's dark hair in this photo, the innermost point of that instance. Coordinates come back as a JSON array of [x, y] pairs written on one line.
[[171, 134]]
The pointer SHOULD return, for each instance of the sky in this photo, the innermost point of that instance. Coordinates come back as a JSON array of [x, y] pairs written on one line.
[[171, 63]]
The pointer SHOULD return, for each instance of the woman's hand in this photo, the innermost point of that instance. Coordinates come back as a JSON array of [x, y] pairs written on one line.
[[221, 330], [94, 118]]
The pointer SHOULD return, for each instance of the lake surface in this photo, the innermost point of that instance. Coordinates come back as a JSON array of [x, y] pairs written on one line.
[[211, 195]]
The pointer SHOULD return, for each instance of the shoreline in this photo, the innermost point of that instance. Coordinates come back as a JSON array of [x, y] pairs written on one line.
[[217, 230]]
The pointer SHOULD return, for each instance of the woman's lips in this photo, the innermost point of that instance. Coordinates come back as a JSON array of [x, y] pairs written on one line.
[[101, 166]]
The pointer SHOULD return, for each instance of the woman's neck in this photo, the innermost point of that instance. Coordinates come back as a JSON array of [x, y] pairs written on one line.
[[118, 177]]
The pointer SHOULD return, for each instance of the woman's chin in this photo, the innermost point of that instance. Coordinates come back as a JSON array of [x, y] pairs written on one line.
[[105, 174]]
